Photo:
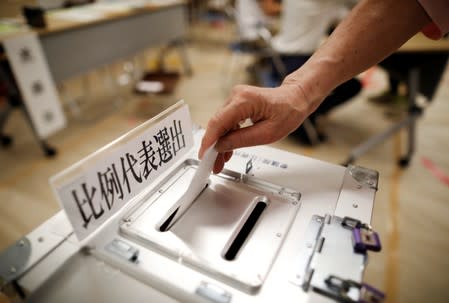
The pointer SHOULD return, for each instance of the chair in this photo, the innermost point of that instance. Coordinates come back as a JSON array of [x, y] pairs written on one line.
[[264, 77], [259, 48], [416, 70], [11, 93]]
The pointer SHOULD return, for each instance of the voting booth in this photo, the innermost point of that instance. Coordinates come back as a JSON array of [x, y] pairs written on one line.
[[143, 220]]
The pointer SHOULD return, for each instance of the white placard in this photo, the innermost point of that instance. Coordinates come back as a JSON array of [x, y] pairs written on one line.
[[119, 172], [35, 83]]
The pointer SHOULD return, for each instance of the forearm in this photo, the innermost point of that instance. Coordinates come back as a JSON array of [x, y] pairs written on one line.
[[373, 30]]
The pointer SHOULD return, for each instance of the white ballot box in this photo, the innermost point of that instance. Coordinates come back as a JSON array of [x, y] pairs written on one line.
[[273, 226]]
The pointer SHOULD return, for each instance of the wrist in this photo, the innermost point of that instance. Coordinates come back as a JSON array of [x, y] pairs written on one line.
[[303, 98], [313, 80], [296, 97]]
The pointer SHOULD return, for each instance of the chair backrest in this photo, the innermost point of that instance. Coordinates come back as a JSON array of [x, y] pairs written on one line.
[[431, 67], [260, 32], [248, 16]]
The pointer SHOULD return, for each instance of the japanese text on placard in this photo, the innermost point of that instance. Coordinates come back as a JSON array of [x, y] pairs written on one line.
[[124, 175]]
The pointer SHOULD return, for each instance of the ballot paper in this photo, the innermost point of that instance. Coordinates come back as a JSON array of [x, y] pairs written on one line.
[[197, 185], [150, 86]]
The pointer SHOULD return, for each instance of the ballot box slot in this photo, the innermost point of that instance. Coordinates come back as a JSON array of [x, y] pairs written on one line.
[[244, 231], [167, 223], [164, 226], [232, 231]]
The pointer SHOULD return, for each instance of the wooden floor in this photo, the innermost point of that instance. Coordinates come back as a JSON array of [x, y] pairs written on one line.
[[412, 205]]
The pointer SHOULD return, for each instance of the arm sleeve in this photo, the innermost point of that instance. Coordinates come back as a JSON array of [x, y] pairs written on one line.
[[438, 11]]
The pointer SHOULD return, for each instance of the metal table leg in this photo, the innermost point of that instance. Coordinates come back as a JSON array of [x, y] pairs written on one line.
[[48, 150]]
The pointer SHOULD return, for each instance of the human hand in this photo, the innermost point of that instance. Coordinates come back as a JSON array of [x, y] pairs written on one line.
[[274, 112]]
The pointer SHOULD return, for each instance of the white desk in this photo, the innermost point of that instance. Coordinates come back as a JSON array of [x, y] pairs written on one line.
[[73, 48], [68, 48]]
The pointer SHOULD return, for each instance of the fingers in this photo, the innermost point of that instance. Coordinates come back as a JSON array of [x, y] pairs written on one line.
[[224, 121], [227, 156], [213, 132], [219, 163], [274, 112]]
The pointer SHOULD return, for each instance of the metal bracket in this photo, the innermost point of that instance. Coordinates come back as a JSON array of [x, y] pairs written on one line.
[[123, 250], [303, 268], [13, 260], [327, 250], [364, 176], [213, 293], [341, 290]]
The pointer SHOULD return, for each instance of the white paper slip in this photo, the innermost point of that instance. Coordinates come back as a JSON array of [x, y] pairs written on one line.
[[150, 86], [197, 185]]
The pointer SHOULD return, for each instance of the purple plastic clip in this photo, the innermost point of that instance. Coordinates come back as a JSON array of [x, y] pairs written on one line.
[[365, 239]]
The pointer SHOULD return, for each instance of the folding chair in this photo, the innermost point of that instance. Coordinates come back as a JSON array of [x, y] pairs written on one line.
[[414, 72], [264, 77]]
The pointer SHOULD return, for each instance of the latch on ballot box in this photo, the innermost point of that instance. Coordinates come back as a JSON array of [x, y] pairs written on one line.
[[347, 240], [339, 290], [363, 236]]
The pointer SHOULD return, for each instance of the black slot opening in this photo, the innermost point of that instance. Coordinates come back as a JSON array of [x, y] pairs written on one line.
[[244, 232], [166, 224]]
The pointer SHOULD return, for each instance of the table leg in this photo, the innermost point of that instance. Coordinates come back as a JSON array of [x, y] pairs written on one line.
[[48, 150]]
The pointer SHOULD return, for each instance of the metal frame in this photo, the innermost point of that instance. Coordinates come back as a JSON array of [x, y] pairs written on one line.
[[409, 123], [206, 250], [61, 268]]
